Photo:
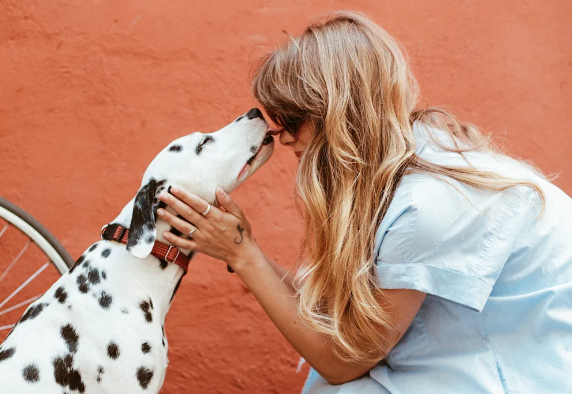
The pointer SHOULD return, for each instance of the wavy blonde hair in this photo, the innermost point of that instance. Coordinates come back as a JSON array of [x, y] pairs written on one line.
[[348, 77]]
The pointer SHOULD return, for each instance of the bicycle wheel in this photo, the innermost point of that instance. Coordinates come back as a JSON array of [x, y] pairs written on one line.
[[31, 260]]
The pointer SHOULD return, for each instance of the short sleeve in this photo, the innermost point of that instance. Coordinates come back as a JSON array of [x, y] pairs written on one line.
[[434, 240]]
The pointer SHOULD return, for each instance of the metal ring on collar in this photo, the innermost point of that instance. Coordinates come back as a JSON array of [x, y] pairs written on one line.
[[192, 231], [207, 210]]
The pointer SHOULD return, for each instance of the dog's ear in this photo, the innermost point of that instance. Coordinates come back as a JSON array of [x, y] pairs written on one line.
[[143, 232]]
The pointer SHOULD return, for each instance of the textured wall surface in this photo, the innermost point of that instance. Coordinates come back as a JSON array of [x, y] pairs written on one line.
[[90, 91]]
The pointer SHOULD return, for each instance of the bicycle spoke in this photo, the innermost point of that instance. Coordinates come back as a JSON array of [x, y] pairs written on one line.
[[4, 229], [31, 278], [15, 261], [7, 327], [20, 304]]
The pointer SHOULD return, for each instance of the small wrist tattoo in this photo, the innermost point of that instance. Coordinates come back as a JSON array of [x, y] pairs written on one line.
[[240, 230]]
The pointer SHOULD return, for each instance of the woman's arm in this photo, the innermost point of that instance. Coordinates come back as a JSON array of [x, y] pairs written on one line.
[[280, 303], [286, 275], [226, 236]]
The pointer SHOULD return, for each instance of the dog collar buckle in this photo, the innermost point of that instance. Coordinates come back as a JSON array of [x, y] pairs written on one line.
[[169, 251]]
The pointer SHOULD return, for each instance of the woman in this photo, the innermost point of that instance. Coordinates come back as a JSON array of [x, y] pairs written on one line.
[[435, 263]]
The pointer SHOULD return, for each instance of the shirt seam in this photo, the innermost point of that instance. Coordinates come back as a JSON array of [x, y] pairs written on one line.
[[411, 222], [379, 262], [500, 373]]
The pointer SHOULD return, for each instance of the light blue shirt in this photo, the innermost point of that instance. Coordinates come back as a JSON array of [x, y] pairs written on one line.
[[498, 312]]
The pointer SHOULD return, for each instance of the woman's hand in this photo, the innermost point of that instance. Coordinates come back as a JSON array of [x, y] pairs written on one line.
[[222, 234]]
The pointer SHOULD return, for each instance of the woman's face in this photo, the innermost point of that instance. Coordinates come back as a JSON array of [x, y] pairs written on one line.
[[297, 141]]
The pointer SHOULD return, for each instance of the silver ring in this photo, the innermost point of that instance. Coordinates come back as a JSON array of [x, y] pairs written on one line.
[[192, 231], [206, 210]]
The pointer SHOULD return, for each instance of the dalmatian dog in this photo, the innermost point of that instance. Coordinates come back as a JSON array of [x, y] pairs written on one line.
[[99, 328]]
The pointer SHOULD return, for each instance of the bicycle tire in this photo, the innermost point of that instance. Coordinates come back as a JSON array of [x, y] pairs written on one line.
[[27, 224]]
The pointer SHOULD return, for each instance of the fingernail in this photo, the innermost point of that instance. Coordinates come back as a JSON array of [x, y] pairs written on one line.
[[220, 191], [175, 189], [166, 235], [160, 212]]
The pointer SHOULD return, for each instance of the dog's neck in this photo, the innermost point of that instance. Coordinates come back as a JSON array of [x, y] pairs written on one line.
[[142, 275]]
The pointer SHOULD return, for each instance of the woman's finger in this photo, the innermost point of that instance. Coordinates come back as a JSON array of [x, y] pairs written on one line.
[[187, 211], [227, 203], [180, 224], [194, 201], [180, 242]]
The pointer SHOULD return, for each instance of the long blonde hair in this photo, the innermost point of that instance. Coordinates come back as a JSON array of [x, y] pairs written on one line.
[[348, 77]]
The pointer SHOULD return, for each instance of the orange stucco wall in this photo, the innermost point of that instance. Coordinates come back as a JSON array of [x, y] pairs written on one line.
[[90, 91]]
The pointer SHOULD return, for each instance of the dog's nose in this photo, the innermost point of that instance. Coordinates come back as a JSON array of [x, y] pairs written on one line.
[[254, 113]]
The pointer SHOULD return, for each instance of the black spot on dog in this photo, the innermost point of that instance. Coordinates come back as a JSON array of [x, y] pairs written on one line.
[[205, 141], [61, 295], [103, 274], [146, 307], [176, 288], [113, 350], [6, 354], [33, 312], [106, 252], [77, 263], [145, 347], [92, 248], [240, 117], [124, 311], [93, 276], [253, 149], [69, 307], [150, 239], [69, 335], [100, 372], [85, 264], [144, 376], [176, 148], [163, 264], [31, 374], [191, 254], [163, 335], [66, 375], [105, 300], [82, 283], [149, 226]]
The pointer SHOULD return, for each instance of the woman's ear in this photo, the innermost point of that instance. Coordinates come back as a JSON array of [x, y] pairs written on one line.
[[143, 231]]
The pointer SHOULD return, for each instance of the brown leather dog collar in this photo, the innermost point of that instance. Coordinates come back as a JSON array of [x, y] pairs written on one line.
[[161, 250]]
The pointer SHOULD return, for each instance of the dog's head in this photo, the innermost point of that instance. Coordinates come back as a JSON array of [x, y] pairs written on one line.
[[199, 163]]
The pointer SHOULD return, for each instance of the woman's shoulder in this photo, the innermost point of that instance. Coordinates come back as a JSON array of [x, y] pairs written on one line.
[[422, 203], [429, 211]]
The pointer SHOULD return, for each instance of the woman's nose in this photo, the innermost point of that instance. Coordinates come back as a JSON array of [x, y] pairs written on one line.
[[286, 138]]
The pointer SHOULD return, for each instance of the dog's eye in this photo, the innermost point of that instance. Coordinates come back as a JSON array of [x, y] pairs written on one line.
[[205, 140]]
